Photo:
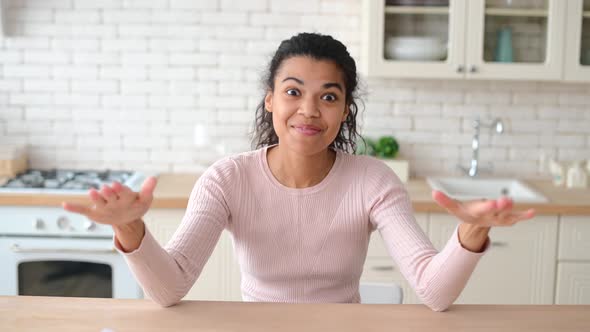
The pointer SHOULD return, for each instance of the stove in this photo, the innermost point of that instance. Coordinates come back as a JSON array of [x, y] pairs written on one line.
[[66, 181], [47, 251]]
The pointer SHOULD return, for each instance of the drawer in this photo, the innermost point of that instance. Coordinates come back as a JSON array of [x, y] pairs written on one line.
[[519, 267], [573, 283], [377, 246], [574, 238], [384, 270], [380, 269]]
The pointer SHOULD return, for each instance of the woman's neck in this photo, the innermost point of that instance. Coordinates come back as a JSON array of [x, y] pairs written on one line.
[[294, 170]]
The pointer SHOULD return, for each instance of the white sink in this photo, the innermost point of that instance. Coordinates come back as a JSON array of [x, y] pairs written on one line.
[[463, 188]]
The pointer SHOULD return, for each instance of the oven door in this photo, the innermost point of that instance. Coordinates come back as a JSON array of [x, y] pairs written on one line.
[[70, 267]]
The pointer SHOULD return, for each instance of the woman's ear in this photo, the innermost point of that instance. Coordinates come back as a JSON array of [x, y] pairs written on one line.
[[345, 114], [268, 102]]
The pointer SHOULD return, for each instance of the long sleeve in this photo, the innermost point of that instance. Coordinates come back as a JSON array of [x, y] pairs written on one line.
[[167, 273], [300, 245], [437, 277]]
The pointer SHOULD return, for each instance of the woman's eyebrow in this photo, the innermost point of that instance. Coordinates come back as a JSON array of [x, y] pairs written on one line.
[[326, 85], [294, 79], [335, 85]]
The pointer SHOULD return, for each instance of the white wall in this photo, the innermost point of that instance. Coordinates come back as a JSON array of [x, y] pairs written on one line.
[[121, 84]]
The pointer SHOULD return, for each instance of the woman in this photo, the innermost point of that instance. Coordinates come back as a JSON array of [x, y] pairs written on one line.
[[300, 208]]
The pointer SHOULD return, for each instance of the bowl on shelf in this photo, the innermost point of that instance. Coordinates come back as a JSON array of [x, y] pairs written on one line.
[[519, 4], [415, 48]]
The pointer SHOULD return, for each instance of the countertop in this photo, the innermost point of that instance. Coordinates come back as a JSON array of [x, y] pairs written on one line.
[[25, 313], [173, 191]]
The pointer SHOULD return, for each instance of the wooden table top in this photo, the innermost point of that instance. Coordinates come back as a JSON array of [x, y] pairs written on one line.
[[49, 314]]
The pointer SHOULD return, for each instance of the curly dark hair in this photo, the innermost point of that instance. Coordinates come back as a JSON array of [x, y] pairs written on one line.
[[318, 47]]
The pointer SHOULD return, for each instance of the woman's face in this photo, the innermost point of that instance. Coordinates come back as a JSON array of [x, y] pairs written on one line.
[[308, 104]]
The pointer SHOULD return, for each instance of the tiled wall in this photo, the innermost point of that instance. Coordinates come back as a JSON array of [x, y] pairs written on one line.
[[122, 84]]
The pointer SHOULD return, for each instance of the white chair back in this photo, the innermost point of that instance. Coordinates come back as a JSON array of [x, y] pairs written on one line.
[[380, 293]]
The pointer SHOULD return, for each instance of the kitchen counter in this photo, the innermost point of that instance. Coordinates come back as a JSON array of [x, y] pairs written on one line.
[[561, 200], [50, 314], [173, 191]]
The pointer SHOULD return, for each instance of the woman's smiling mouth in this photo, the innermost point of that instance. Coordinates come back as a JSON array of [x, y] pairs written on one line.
[[308, 130]]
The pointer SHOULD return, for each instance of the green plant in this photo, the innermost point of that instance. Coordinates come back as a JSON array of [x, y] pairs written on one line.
[[384, 147]]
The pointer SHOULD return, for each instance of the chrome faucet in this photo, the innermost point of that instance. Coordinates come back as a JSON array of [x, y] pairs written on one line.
[[498, 127]]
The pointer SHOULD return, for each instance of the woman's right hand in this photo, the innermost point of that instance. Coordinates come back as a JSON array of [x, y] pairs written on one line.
[[116, 205]]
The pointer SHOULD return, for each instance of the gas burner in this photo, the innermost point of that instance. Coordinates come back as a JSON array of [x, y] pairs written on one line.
[[66, 181]]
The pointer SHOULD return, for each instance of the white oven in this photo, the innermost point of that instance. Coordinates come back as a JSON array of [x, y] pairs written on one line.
[[51, 252]]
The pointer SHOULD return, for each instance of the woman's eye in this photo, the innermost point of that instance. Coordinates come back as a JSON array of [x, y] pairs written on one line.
[[329, 97], [293, 92]]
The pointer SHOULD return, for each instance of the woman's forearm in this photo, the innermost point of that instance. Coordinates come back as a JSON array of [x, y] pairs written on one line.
[[130, 235], [472, 237]]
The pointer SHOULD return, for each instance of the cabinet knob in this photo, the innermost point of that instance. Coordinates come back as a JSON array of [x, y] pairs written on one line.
[[473, 69], [38, 224], [64, 223], [460, 68], [89, 225], [499, 244]]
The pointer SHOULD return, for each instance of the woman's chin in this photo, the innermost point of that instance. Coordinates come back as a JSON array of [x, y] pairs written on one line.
[[307, 146]]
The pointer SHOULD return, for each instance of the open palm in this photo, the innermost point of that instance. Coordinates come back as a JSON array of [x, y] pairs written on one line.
[[485, 213], [116, 204]]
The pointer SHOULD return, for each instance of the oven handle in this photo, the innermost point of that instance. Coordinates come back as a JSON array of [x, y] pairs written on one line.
[[18, 249]]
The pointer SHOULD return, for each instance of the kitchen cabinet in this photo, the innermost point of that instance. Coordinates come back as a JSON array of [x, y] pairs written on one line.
[[445, 23], [519, 267], [574, 238], [2, 19], [220, 278], [577, 47], [485, 39], [573, 283], [380, 267], [541, 261], [573, 269]]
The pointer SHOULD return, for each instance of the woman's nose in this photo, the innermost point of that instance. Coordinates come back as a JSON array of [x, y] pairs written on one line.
[[309, 108]]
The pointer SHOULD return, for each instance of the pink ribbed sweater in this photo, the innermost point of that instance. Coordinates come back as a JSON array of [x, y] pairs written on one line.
[[300, 245]]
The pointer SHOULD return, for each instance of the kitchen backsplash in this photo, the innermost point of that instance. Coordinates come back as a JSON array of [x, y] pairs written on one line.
[[122, 84]]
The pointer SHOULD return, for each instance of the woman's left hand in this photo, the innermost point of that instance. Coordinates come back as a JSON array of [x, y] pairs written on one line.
[[483, 213]]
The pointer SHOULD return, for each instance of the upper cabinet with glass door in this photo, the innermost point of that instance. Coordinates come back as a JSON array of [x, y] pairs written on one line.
[[2, 19], [577, 50], [515, 39], [413, 38], [475, 39]]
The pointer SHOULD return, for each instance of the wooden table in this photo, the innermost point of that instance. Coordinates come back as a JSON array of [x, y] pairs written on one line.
[[50, 314]]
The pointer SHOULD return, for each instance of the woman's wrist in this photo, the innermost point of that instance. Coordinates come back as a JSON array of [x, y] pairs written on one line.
[[130, 235], [473, 237]]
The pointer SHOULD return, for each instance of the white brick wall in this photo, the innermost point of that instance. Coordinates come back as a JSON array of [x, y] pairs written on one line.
[[121, 84]]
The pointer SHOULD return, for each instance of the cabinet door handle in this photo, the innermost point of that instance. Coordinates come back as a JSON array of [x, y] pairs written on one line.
[[383, 268], [473, 69], [499, 244], [460, 68], [18, 249]]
